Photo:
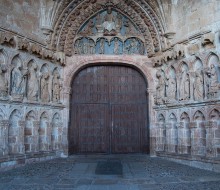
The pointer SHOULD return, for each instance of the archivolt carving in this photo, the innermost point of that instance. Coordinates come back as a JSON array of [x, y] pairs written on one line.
[[73, 18]]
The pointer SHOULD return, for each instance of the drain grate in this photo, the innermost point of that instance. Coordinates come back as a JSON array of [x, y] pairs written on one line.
[[109, 168]]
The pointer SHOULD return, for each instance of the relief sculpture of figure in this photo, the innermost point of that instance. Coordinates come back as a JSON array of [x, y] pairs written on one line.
[[78, 47], [33, 87], [132, 47], [45, 96], [160, 88], [171, 88], [18, 81], [184, 86], [57, 87], [102, 46], [116, 47], [198, 85], [109, 24], [3, 82], [212, 83], [91, 47]]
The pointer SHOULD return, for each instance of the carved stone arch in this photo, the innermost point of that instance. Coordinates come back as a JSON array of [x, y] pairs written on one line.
[[184, 117], [161, 118], [56, 135], [140, 66], [171, 71], [197, 64], [3, 57], [17, 60], [172, 118], [44, 132], [212, 58], [30, 132], [15, 112], [32, 114], [56, 70], [2, 114], [199, 116], [44, 115], [146, 19], [214, 114], [182, 65], [45, 68], [31, 62], [56, 116], [15, 132]]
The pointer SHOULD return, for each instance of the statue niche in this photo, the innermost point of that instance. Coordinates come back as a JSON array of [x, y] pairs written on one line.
[[32, 85], [212, 77], [45, 94], [213, 84], [160, 88], [171, 86], [184, 91], [57, 87], [18, 79], [198, 81], [3, 80]]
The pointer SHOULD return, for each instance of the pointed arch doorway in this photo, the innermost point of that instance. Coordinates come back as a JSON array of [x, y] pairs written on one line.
[[108, 114]]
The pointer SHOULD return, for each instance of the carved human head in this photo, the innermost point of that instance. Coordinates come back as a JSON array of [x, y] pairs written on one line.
[[212, 66], [158, 74], [109, 10]]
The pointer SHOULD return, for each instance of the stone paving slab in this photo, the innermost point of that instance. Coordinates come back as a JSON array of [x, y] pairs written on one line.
[[140, 172]]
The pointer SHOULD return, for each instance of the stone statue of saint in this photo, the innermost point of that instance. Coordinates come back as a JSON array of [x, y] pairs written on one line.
[[85, 47], [91, 47], [198, 85], [45, 96], [171, 88], [160, 88], [213, 84], [109, 24], [18, 80], [3, 82], [57, 87], [33, 87], [132, 47], [184, 85], [116, 46], [78, 47], [102, 46]]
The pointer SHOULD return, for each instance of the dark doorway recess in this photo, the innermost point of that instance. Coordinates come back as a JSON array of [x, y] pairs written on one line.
[[109, 111]]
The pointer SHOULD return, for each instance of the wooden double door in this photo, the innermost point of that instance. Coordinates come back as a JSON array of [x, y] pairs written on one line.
[[108, 111]]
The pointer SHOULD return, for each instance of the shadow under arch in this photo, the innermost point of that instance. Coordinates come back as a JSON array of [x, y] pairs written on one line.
[[80, 69]]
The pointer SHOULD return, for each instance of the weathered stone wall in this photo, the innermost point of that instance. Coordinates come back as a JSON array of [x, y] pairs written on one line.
[[181, 65], [31, 109], [190, 17], [22, 17]]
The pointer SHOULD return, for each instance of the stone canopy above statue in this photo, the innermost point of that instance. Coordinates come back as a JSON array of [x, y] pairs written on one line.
[[109, 32]]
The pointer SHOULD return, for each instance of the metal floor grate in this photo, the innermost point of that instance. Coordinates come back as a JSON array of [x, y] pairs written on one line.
[[109, 168]]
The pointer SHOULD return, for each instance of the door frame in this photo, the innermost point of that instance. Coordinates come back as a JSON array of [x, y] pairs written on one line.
[[109, 64]]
